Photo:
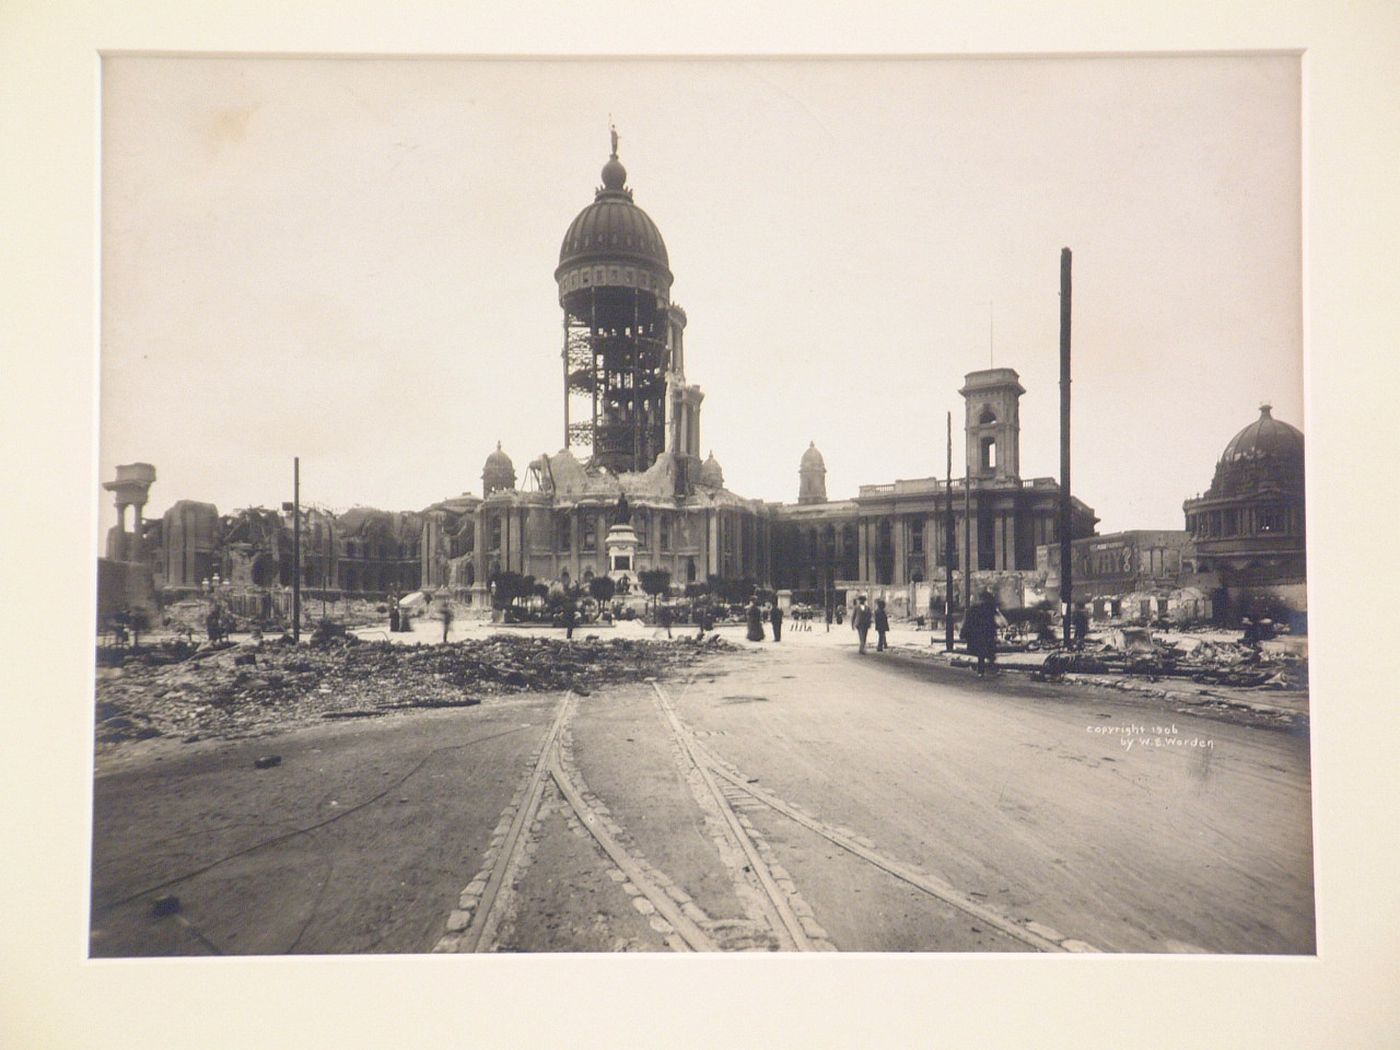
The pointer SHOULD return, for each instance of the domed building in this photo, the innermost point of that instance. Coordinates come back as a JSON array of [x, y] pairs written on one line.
[[1249, 528], [631, 437], [631, 455], [711, 473], [811, 476], [498, 475], [624, 349]]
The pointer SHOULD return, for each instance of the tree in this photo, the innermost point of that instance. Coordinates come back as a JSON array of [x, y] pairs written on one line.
[[655, 582], [602, 589], [732, 590], [508, 586]]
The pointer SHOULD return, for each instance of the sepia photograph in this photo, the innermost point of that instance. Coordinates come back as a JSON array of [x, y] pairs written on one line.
[[735, 505]]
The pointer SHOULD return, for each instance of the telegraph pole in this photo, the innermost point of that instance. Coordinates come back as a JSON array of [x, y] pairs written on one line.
[[967, 533], [950, 541], [1066, 583], [296, 548]]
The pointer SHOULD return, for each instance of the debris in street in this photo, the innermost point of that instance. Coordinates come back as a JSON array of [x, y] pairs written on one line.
[[268, 761], [166, 904], [216, 692]]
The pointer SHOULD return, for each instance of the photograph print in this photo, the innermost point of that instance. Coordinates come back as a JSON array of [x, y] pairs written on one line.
[[727, 505]]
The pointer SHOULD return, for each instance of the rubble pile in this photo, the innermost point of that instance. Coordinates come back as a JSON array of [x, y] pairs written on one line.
[[1201, 661], [236, 690]]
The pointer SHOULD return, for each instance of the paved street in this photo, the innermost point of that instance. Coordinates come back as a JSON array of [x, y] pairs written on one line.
[[796, 796]]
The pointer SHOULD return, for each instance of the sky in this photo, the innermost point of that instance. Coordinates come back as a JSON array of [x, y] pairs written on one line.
[[351, 261]]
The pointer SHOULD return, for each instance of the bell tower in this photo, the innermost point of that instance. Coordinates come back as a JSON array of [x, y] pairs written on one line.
[[993, 426]]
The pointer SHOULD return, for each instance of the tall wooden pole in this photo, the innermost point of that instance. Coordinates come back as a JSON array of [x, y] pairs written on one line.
[[1066, 581], [296, 548], [950, 540], [967, 528]]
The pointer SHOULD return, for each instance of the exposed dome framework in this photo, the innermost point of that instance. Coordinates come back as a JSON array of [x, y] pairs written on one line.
[[622, 334]]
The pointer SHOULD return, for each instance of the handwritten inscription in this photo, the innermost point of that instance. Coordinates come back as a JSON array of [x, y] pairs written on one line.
[[1138, 734]]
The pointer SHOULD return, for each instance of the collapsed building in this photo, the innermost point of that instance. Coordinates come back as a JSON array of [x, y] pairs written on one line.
[[1249, 529], [632, 435], [247, 558], [629, 491]]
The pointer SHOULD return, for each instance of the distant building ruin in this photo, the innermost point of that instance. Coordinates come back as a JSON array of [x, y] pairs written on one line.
[[631, 431]]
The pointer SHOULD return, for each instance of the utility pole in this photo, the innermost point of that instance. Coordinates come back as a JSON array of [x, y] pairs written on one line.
[[1066, 582], [950, 540], [296, 548], [967, 530]]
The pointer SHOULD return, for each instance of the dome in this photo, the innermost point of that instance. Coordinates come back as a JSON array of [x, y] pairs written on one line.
[[612, 227], [1266, 436], [1266, 456], [812, 459], [711, 474], [498, 473]]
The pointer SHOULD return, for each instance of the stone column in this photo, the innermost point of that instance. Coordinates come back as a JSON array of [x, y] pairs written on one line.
[[899, 574], [972, 537], [712, 545], [479, 549], [133, 550]]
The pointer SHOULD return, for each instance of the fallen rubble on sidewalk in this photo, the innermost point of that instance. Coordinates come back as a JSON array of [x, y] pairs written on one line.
[[1204, 662], [226, 690]]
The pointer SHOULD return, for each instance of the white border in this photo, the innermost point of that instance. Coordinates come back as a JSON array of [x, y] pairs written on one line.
[[51, 997]]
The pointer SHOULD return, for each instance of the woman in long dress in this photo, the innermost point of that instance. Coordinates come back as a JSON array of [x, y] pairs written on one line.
[[755, 617]]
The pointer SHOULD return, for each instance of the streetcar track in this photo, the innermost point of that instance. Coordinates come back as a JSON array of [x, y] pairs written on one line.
[[710, 765], [691, 935], [786, 924], [473, 926]]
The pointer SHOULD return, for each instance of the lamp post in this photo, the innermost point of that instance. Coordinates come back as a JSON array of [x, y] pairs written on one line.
[[1066, 582], [950, 543]]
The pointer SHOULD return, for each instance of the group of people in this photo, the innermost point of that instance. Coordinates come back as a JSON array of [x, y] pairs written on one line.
[[754, 616], [862, 619]]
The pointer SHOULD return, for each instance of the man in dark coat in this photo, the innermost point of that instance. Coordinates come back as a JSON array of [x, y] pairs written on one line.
[[775, 617], [663, 617], [570, 617], [980, 629], [860, 620], [1081, 625], [882, 624]]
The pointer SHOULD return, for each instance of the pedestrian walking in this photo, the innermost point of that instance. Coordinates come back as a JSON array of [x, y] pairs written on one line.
[[860, 621], [570, 618], [663, 615], [1081, 625], [446, 620], [707, 620], [980, 632], [882, 624], [775, 617], [755, 618], [829, 617]]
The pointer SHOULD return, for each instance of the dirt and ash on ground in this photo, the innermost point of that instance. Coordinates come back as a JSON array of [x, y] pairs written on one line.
[[239, 690]]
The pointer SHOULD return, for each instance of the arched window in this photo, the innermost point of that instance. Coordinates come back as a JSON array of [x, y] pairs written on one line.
[[987, 416]]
